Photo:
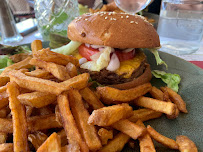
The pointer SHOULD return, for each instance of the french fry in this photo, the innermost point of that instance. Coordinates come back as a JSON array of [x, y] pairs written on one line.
[[6, 125], [105, 135], [37, 99], [18, 117], [45, 111], [106, 116], [77, 82], [63, 137], [4, 80], [112, 95], [129, 128], [50, 56], [70, 148], [66, 149], [176, 98], [81, 116], [162, 139], [3, 88], [36, 123], [36, 84], [185, 144], [144, 115], [39, 73], [146, 144], [59, 71], [58, 115], [36, 45], [3, 99], [4, 112], [28, 110], [6, 147], [157, 105], [48, 86], [3, 137], [52, 144], [116, 144], [37, 139], [16, 66], [175, 115], [166, 96], [72, 69], [91, 98], [158, 94], [69, 124]]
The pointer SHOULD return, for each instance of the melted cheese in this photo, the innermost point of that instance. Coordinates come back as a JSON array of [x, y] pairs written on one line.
[[127, 67], [77, 55]]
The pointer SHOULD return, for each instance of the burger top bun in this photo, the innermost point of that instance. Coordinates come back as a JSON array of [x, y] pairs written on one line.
[[117, 30]]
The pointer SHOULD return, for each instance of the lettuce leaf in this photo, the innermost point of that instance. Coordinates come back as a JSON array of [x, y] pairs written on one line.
[[68, 48], [11, 50], [4, 62], [159, 61], [172, 80]]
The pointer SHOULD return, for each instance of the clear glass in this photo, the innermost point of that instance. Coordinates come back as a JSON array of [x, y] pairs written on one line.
[[53, 16], [9, 32], [180, 26], [132, 6]]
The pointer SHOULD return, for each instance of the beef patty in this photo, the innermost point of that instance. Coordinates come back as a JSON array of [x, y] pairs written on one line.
[[108, 78]]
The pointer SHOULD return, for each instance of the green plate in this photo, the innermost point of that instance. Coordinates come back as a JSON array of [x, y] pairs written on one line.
[[191, 90]]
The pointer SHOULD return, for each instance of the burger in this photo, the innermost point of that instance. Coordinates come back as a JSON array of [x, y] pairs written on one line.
[[111, 45]]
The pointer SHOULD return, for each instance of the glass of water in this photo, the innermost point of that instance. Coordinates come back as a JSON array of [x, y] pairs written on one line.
[[181, 26], [132, 6], [8, 28], [53, 16]]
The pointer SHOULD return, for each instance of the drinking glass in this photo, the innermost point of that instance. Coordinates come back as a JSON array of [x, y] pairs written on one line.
[[132, 6], [53, 16], [180, 26], [9, 32]]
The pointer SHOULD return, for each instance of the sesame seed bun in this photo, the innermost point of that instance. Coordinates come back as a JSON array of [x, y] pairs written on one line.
[[117, 30]]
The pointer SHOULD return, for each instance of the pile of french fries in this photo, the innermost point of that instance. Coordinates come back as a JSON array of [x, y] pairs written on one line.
[[45, 106]]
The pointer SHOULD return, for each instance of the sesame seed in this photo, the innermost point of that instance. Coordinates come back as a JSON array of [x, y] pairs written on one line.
[[136, 22], [127, 16], [111, 18], [86, 19], [105, 17], [131, 21], [121, 16], [114, 19]]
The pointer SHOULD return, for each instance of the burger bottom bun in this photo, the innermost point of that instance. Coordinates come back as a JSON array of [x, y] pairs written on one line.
[[144, 78]]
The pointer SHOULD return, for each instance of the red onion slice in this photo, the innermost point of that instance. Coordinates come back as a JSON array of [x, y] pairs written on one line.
[[82, 60], [96, 46], [127, 50], [87, 45], [114, 63]]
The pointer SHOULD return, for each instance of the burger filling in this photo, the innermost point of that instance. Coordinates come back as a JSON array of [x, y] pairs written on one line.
[[112, 63]]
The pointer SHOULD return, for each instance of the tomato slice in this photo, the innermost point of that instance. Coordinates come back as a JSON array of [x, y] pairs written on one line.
[[87, 52], [122, 56]]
